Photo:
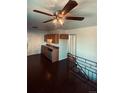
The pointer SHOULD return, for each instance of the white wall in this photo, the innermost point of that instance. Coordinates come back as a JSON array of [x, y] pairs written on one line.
[[35, 40], [86, 41]]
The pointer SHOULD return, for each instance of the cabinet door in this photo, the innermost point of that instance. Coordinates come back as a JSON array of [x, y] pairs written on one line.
[[63, 36], [55, 38], [49, 54]]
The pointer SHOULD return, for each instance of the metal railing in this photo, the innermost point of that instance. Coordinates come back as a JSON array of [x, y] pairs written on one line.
[[86, 66]]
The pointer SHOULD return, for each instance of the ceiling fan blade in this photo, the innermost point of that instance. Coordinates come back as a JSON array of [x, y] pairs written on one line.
[[43, 12], [69, 6], [48, 20], [75, 18]]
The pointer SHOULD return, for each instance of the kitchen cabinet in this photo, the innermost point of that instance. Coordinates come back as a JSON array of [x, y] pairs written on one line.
[[55, 37], [51, 52], [64, 36]]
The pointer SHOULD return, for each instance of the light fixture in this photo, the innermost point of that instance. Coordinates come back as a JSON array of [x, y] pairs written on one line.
[[58, 21], [61, 21], [55, 21]]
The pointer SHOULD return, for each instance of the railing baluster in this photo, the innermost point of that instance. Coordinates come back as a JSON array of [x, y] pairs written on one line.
[[87, 67], [92, 75]]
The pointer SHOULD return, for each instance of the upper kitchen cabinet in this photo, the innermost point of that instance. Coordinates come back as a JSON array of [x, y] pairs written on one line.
[[64, 36], [53, 38]]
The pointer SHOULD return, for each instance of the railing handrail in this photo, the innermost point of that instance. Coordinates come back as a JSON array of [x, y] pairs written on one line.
[[83, 58], [86, 67], [85, 62]]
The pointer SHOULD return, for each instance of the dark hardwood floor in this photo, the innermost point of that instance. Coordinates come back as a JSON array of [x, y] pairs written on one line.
[[46, 77]]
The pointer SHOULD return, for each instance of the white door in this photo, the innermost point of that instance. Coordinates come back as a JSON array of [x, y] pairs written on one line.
[[72, 44]]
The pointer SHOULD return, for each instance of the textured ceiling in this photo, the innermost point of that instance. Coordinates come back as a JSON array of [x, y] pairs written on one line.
[[86, 8]]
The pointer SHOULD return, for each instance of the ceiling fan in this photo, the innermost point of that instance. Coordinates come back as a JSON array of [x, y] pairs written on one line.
[[61, 15]]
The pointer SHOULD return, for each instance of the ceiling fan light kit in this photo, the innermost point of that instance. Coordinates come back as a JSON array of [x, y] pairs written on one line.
[[60, 16]]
